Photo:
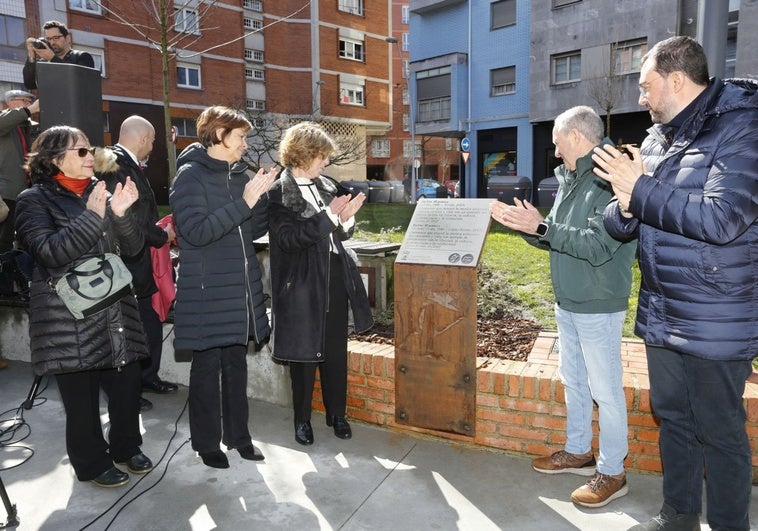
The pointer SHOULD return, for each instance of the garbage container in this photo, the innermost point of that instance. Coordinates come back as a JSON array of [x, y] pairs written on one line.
[[546, 191], [397, 192], [507, 187], [379, 191]]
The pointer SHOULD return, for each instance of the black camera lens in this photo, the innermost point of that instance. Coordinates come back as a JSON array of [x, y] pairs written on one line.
[[39, 44]]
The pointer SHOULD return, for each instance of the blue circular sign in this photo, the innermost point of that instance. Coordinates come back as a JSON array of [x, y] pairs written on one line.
[[465, 144]]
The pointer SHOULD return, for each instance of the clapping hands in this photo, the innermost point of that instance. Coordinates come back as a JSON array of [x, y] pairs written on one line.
[[259, 185], [345, 207]]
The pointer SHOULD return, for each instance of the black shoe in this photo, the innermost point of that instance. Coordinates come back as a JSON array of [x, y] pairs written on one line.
[[304, 432], [341, 426], [159, 386], [215, 459], [137, 464], [251, 453], [112, 477], [145, 405]]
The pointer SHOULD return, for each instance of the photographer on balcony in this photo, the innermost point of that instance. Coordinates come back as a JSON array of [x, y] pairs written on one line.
[[54, 47]]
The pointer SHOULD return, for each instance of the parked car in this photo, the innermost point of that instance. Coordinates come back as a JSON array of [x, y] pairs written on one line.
[[428, 188]]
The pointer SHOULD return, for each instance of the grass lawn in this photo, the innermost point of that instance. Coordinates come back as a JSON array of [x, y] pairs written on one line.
[[525, 268]]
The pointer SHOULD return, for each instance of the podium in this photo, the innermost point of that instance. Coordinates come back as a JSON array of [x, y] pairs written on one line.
[[71, 94]]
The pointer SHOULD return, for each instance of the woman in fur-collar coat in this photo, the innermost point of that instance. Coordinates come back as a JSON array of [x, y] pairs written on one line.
[[313, 277]]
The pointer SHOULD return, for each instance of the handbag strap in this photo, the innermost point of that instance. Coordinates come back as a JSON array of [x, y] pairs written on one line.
[[73, 280]]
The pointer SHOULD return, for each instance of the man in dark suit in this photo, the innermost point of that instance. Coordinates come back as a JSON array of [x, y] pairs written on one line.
[[54, 48], [134, 145]]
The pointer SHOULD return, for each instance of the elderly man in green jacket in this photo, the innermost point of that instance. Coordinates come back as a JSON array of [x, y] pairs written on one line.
[[591, 275]]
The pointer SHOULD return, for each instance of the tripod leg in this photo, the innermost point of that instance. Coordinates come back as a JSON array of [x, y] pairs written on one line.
[[29, 402], [10, 509]]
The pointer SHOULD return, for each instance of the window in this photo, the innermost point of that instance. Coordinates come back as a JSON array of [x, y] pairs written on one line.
[[503, 13], [433, 87], [252, 23], [405, 42], [254, 5], [405, 14], [628, 56], [188, 76], [255, 56], [12, 38], [566, 68], [351, 94], [97, 55], [503, 81], [255, 105], [350, 49], [380, 148], [186, 20], [354, 7], [406, 121], [408, 148], [406, 95], [561, 3], [185, 126], [254, 74], [90, 6]]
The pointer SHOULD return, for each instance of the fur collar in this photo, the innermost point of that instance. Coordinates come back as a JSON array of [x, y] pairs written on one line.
[[105, 160], [292, 197]]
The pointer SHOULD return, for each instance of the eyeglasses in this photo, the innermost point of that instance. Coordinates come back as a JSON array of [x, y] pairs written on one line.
[[82, 151], [645, 87]]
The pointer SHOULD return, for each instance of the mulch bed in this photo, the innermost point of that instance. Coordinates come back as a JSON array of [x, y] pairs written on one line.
[[504, 337]]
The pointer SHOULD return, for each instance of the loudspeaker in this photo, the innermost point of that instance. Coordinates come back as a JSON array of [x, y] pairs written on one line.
[[71, 94]]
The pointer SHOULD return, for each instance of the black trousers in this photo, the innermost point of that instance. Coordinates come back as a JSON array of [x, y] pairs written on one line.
[[154, 335], [88, 451], [333, 370], [218, 397]]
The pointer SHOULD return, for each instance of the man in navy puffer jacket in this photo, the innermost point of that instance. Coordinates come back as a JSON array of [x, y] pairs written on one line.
[[691, 197]]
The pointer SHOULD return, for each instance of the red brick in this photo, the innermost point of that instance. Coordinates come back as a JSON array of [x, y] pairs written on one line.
[[503, 417], [487, 400], [546, 421], [380, 383]]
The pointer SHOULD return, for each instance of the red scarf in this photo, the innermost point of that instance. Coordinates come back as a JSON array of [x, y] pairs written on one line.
[[78, 186]]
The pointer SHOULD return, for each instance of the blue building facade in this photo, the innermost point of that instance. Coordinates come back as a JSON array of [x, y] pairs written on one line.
[[469, 63]]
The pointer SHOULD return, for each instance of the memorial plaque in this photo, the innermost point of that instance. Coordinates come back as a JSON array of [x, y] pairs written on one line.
[[446, 232]]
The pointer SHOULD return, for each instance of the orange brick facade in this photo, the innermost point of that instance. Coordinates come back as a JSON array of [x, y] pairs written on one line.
[[520, 406]]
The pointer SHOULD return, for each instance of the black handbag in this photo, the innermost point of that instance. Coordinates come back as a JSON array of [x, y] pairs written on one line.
[[94, 285]]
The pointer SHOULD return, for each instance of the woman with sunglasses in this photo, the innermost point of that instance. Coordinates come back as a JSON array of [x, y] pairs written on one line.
[[65, 218]]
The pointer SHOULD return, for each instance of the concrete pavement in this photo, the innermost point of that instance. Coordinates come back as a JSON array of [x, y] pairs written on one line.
[[380, 479]]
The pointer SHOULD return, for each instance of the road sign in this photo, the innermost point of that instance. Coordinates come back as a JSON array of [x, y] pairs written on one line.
[[465, 144]]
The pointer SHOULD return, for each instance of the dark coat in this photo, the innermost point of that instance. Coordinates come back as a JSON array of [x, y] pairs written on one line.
[[299, 241], [219, 298], [698, 235], [55, 227], [145, 212]]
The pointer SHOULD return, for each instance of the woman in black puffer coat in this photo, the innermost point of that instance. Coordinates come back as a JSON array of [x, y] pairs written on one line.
[[63, 220], [219, 210]]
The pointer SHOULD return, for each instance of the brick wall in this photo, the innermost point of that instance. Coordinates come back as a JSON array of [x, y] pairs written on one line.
[[519, 405]]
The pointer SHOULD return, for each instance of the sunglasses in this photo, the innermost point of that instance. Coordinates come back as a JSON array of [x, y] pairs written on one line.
[[82, 151]]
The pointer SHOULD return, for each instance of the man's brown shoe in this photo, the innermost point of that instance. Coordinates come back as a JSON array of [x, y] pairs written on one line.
[[565, 463], [600, 490]]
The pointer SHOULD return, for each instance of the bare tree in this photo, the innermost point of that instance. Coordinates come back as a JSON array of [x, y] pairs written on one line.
[[606, 88]]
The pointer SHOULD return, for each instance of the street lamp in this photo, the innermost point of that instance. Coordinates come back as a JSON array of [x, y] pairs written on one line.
[[412, 125]]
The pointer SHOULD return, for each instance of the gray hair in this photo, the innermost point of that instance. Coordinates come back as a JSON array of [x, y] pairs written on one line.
[[584, 119]]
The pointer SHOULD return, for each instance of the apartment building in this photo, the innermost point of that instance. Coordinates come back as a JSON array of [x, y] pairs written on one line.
[[328, 60], [206, 63], [390, 156], [504, 69], [470, 77]]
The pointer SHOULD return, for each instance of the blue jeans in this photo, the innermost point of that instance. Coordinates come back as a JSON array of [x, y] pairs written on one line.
[[699, 403], [590, 368]]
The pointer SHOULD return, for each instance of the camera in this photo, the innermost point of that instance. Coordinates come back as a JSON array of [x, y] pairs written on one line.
[[40, 44]]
